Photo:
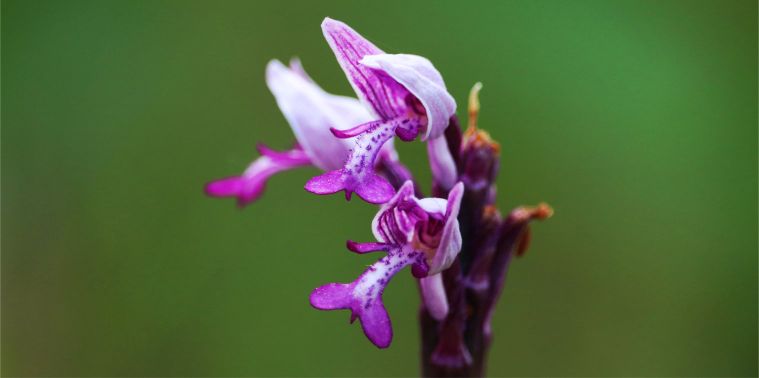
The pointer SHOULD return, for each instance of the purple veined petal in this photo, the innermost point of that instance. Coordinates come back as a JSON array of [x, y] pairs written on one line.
[[311, 112], [433, 295], [450, 240], [387, 212], [363, 297], [377, 89], [418, 76], [441, 163], [250, 185], [358, 173]]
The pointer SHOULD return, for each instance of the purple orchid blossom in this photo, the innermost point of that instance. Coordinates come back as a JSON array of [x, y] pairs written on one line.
[[407, 95], [422, 233], [311, 112], [459, 247]]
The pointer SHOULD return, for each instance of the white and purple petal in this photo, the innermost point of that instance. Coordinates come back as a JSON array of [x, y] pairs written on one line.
[[433, 295], [418, 76], [391, 224], [450, 239], [251, 184], [443, 167], [311, 113], [385, 96], [409, 96]]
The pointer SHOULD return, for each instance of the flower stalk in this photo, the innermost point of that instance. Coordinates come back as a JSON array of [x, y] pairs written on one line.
[[457, 346]]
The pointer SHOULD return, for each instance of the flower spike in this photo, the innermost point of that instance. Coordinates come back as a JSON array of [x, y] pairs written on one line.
[[351, 140]]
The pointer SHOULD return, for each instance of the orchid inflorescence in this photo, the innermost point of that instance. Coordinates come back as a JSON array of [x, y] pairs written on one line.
[[352, 141]]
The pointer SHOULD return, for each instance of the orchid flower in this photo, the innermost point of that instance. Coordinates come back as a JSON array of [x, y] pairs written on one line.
[[422, 233], [408, 97], [459, 247], [311, 112]]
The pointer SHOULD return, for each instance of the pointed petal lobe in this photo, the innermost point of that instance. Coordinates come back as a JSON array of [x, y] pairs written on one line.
[[450, 241], [378, 90], [250, 185]]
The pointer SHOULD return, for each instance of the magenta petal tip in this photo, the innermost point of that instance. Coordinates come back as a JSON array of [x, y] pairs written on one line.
[[326, 183], [370, 187], [376, 324], [366, 247], [332, 296], [375, 189], [244, 189], [229, 186]]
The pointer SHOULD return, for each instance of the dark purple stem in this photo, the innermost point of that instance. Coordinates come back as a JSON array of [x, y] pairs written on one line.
[[458, 345]]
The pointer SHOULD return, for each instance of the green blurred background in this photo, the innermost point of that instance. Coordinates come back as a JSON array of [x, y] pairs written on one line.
[[636, 120]]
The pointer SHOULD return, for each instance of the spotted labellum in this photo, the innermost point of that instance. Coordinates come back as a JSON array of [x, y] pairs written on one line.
[[455, 242]]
